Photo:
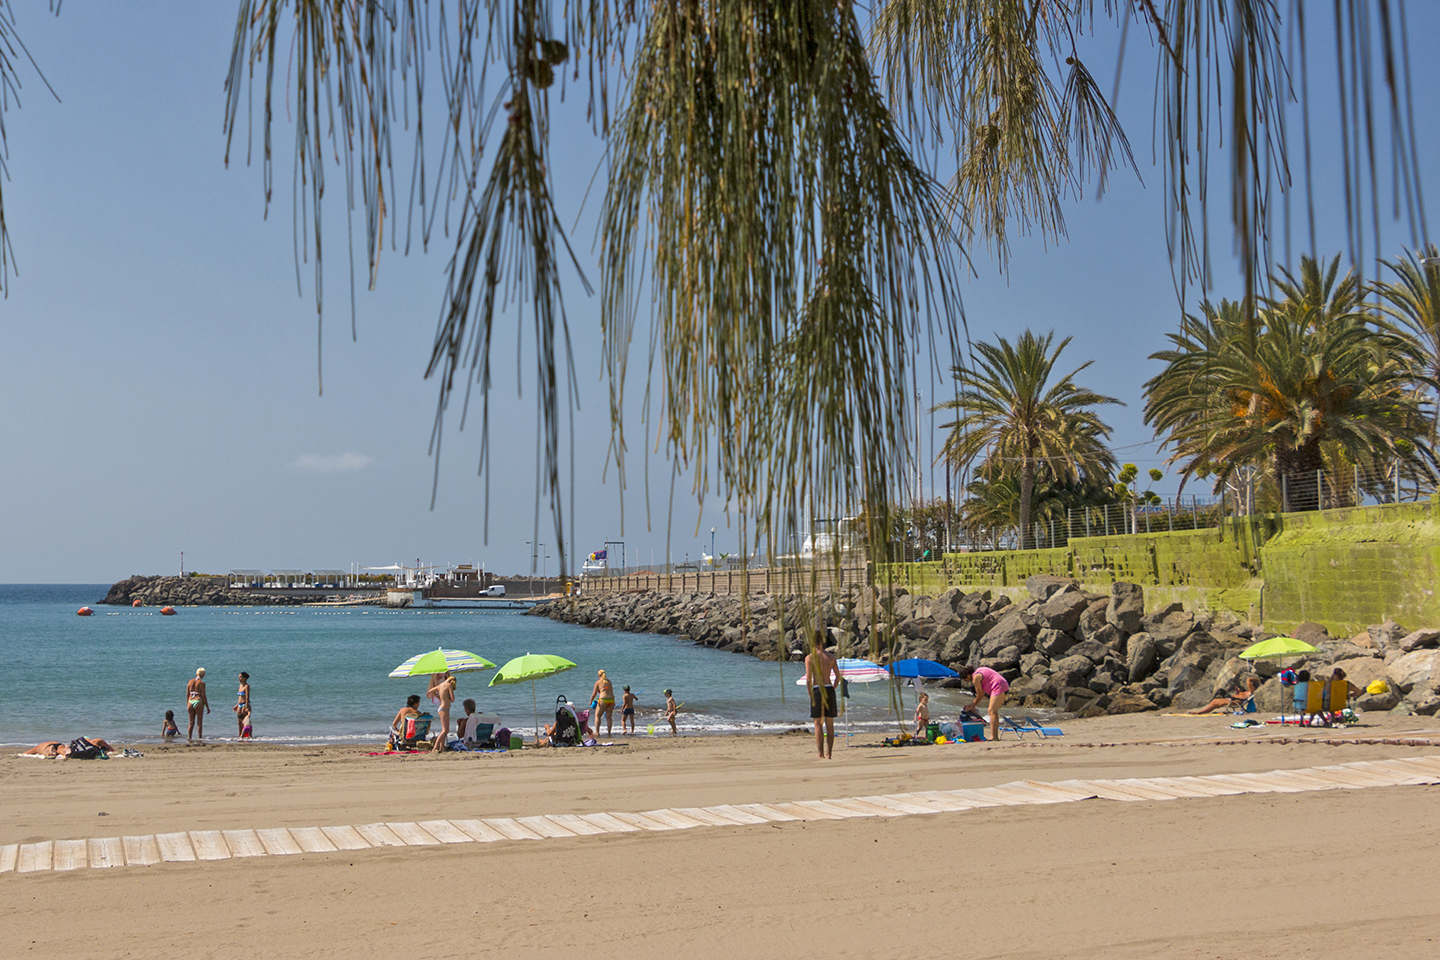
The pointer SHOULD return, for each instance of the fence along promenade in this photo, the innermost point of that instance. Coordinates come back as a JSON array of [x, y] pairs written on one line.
[[785, 580]]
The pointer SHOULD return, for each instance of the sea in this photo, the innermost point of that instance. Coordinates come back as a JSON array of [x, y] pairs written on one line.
[[320, 675]]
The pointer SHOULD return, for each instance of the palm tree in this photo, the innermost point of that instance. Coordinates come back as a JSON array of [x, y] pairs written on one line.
[[1318, 369], [1412, 300], [1009, 412]]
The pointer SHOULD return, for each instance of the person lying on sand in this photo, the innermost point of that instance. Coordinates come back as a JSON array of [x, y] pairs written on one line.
[[54, 748], [1236, 699]]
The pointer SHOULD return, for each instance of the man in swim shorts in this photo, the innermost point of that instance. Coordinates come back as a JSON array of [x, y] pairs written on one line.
[[822, 674]]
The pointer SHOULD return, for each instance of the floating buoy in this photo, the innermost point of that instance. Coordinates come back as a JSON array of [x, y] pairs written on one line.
[[167, 611], [137, 603], [84, 612]]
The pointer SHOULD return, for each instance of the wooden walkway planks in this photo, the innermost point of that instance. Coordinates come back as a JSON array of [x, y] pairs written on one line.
[[211, 845]]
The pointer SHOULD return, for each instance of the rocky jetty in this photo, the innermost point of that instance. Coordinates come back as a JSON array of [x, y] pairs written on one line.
[[190, 592], [1060, 646]]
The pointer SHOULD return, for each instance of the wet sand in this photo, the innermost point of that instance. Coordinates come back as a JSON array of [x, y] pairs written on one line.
[[1308, 874]]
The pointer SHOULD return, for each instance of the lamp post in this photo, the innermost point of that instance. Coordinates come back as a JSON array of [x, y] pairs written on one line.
[[712, 548]]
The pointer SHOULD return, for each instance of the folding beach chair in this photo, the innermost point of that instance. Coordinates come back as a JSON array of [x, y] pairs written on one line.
[[1244, 706], [1034, 726], [412, 732], [1315, 697]]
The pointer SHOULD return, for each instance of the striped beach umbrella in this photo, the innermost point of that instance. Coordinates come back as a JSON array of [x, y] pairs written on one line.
[[440, 661]]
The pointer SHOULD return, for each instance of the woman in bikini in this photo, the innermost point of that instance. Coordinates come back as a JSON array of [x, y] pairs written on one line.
[[602, 703], [242, 704], [195, 701], [445, 692]]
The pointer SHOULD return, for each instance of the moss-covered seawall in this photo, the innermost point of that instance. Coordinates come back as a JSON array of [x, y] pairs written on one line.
[[1343, 568]]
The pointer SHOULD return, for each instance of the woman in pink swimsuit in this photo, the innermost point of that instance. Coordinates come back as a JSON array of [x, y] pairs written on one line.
[[987, 683]]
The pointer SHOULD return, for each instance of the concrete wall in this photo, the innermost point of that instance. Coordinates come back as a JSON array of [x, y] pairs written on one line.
[[1353, 567], [1345, 568]]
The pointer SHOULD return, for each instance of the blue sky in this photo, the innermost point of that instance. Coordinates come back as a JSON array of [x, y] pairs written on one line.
[[158, 366]]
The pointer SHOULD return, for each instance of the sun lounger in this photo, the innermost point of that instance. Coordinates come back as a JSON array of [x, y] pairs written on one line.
[[1034, 726], [1018, 729]]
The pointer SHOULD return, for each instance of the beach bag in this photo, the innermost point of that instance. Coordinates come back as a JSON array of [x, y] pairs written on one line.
[[82, 749]]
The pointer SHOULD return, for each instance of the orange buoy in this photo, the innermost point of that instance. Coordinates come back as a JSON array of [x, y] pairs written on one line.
[[84, 612], [167, 611], [137, 603]]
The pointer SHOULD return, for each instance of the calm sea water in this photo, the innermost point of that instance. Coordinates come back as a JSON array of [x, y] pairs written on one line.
[[320, 675]]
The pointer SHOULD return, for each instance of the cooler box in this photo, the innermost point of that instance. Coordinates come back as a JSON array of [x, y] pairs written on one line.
[[971, 731]]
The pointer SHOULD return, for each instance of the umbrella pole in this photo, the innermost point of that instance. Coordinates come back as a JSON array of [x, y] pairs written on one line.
[[536, 704]]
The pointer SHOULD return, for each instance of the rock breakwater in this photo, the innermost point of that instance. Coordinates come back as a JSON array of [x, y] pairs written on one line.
[[1061, 646], [190, 592]]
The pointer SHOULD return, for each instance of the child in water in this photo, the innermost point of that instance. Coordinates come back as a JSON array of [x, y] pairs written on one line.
[[627, 711], [168, 729]]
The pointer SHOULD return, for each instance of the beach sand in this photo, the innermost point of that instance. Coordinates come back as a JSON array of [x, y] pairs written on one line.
[[1322, 874]]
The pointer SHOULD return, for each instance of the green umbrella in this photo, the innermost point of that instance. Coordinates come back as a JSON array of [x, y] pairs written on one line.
[[440, 661], [531, 667], [1276, 647]]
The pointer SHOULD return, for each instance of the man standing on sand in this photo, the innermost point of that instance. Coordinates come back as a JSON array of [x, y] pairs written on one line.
[[822, 675]]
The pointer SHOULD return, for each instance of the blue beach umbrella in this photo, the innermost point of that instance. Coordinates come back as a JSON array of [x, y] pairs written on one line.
[[920, 670], [927, 669]]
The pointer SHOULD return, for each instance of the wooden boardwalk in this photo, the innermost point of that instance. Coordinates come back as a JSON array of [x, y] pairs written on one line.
[[196, 846]]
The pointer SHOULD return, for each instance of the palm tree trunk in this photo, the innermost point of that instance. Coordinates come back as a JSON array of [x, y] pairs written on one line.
[[1027, 490], [1301, 469]]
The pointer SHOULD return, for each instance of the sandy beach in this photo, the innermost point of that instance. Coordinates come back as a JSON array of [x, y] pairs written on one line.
[[1313, 874]]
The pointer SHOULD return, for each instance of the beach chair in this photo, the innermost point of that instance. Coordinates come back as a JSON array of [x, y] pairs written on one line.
[[1299, 693], [1244, 706], [1034, 726], [1315, 697], [567, 724], [413, 732], [1337, 697], [1018, 729]]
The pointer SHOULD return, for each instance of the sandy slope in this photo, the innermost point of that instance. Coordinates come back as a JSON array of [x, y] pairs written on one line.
[[1313, 875]]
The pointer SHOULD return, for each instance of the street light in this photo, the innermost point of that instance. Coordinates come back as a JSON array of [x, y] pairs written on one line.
[[712, 548]]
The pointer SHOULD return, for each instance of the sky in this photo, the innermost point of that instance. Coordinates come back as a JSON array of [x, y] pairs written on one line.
[[158, 363]]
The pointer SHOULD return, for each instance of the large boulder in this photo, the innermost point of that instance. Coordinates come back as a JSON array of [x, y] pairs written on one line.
[[1424, 699], [1130, 700], [1422, 639], [974, 606], [1053, 643], [1003, 661], [1377, 702], [1386, 635], [1070, 667], [1062, 611], [1093, 618], [1141, 650], [1111, 637], [1127, 607], [1312, 633], [1010, 631], [958, 644], [917, 629], [1361, 670], [1034, 663], [1043, 586], [1092, 650], [1170, 629], [1412, 668]]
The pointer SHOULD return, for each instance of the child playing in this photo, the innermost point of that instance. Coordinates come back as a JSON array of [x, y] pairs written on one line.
[[671, 709], [627, 711], [168, 729], [922, 715], [246, 732]]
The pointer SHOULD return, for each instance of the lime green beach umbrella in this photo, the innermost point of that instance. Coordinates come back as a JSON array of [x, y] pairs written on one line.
[[440, 661], [1275, 648], [531, 667]]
